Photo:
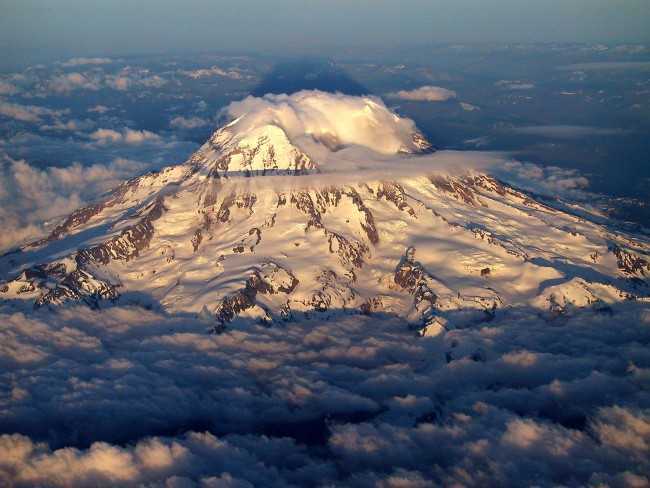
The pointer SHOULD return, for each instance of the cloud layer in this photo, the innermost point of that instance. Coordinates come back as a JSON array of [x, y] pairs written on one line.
[[128, 396]]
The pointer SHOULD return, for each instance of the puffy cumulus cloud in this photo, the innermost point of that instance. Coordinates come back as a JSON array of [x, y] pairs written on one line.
[[27, 113], [196, 459], [333, 119], [130, 77], [425, 93], [72, 125], [30, 196], [547, 180], [85, 61], [188, 122], [89, 397], [65, 83], [93, 78], [126, 136]]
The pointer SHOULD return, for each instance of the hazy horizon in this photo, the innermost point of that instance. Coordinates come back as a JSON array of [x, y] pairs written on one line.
[[39, 30]]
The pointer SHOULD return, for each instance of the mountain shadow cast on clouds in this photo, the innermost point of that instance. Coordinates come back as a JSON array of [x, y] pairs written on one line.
[[308, 74]]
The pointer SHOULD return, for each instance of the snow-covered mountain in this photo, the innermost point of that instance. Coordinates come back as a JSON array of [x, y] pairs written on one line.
[[260, 224]]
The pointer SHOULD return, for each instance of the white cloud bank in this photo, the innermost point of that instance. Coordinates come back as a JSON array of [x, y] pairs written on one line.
[[65, 83], [334, 119], [127, 136], [534, 407], [27, 113], [425, 93], [30, 196]]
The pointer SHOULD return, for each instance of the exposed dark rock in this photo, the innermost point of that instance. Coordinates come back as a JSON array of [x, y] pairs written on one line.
[[128, 244], [414, 278], [395, 194], [79, 285], [455, 188], [270, 279], [630, 263]]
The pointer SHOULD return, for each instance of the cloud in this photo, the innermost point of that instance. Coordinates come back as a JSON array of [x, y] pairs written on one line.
[[73, 81], [382, 407], [94, 79], [548, 180], [121, 83], [73, 125], [27, 113], [30, 196], [194, 458], [332, 119], [567, 131], [99, 109], [468, 107], [7, 88], [127, 136], [154, 81], [212, 71], [130, 77], [50, 147], [515, 85], [72, 62], [188, 123], [425, 93]]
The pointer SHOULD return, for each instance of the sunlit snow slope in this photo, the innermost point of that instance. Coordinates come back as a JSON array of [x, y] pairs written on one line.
[[260, 224]]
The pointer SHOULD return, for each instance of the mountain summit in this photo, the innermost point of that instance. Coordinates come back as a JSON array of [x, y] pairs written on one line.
[[259, 226]]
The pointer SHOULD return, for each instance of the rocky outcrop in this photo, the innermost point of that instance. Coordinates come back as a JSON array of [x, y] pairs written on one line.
[[411, 276], [629, 263], [456, 188], [395, 194], [128, 244], [269, 279], [79, 285], [333, 292]]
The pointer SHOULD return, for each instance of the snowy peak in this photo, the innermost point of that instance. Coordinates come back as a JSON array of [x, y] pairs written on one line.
[[259, 151], [297, 134]]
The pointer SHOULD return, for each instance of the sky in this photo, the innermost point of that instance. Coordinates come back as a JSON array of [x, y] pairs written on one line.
[[33, 28]]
